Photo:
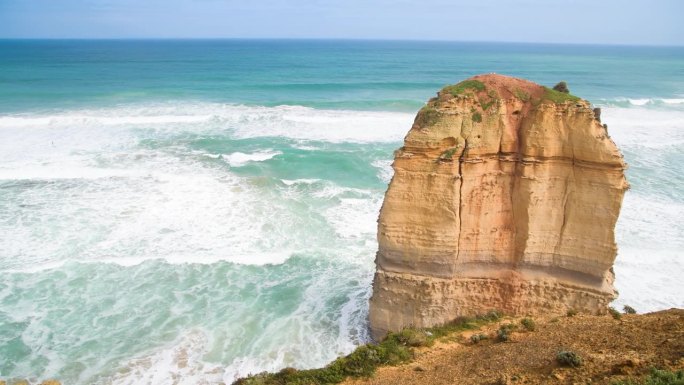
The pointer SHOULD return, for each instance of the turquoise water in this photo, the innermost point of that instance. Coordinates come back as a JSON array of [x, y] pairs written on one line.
[[194, 211]]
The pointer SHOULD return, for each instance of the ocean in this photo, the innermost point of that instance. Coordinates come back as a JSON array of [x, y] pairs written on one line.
[[192, 211]]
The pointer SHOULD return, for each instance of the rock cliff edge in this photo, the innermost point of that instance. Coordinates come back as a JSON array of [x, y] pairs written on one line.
[[505, 196]]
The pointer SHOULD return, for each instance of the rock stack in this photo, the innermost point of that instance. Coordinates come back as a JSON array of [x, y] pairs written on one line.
[[505, 196]]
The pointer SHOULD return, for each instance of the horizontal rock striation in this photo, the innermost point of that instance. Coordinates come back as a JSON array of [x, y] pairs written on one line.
[[505, 196]]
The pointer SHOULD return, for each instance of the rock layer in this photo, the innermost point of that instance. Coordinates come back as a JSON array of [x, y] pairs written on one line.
[[505, 196]]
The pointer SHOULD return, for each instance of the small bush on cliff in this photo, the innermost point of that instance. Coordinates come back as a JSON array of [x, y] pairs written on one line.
[[504, 332], [528, 324], [558, 97], [476, 338], [411, 337], [628, 309], [568, 358], [477, 117], [571, 313], [656, 377], [427, 116], [614, 313], [562, 87], [462, 87], [492, 315]]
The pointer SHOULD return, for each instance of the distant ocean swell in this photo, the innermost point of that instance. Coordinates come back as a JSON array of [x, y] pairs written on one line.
[[190, 241]]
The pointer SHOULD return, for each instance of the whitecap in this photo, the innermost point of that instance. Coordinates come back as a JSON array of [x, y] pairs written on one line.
[[212, 156], [239, 159], [296, 122], [306, 181]]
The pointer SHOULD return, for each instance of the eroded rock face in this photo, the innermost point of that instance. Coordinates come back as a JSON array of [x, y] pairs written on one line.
[[505, 196]]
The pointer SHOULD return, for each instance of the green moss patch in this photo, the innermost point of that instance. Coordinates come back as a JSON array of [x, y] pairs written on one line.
[[522, 95], [448, 154], [558, 97], [428, 116], [462, 87], [477, 117], [485, 105]]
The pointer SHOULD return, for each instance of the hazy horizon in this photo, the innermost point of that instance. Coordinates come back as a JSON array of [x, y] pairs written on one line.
[[650, 23], [181, 38]]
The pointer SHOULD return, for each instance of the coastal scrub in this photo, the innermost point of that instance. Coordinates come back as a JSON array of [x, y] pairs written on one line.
[[396, 348]]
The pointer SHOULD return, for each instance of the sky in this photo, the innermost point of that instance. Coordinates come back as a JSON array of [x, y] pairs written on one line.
[[634, 22]]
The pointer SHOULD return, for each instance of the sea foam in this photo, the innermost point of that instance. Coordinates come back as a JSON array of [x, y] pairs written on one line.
[[295, 122]]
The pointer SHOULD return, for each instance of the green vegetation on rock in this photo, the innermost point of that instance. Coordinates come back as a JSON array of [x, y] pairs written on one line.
[[522, 95], [427, 116], [462, 87], [528, 324], [477, 117], [476, 338], [504, 332], [558, 97], [486, 105], [568, 358], [448, 154]]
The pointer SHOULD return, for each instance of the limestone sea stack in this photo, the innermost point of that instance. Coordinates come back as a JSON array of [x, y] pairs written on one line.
[[505, 196]]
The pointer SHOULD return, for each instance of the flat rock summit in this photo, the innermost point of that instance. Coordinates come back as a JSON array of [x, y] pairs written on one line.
[[505, 196]]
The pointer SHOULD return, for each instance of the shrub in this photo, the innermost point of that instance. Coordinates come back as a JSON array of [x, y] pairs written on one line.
[[428, 116], [504, 332], [614, 313], [528, 324], [476, 338], [561, 87], [411, 337], [568, 358], [571, 313], [628, 309], [656, 377], [477, 117], [492, 315]]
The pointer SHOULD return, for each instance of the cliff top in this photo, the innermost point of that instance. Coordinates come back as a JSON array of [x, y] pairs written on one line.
[[489, 87], [613, 351]]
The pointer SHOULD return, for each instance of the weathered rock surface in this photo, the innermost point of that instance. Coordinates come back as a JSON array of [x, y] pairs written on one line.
[[505, 196]]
